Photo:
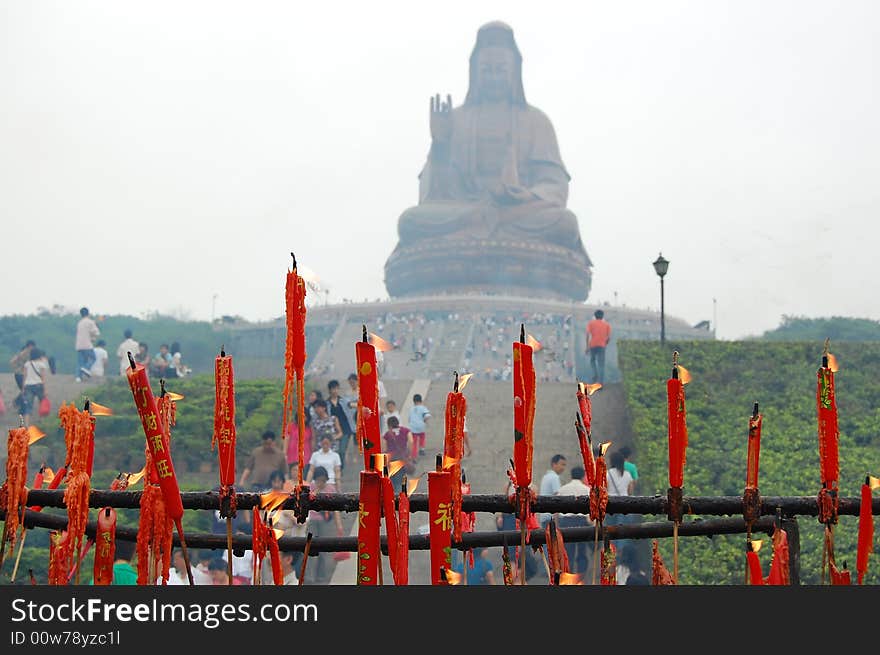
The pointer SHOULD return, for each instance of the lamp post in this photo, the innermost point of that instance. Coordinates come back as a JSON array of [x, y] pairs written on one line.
[[660, 267]]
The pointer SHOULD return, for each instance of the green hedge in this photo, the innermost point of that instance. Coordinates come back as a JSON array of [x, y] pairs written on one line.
[[728, 377]]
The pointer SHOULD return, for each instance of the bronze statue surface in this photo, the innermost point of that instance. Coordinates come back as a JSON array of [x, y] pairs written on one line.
[[492, 214]]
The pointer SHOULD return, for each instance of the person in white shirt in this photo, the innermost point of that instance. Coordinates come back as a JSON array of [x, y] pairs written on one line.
[[330, 460], [86, 333], [129, 345], [288, 570], [620, 483], [578, 558], [36, 371], [101, 357], [551, 483]]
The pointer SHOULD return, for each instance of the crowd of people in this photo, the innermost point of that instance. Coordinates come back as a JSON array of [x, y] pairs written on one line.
[[92, 356]]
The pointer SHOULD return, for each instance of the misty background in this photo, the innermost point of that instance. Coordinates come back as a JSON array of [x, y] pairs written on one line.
[[155, 156]]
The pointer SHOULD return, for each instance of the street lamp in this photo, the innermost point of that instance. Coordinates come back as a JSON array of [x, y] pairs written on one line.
[[660, 267]]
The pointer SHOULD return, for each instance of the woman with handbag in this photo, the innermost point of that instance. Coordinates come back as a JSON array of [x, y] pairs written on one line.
[[35, 373]]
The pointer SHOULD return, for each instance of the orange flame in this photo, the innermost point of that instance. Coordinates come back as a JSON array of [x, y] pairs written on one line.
[[832, 363], [134, 478], [756, 545], [534, 343], [48, 475], [412, 485], [590, 389], [395, 466], [463, 380], [34, 434], [269, 501], [379, 343], [571, 579], [174, 396], [453, 577], [603, 447], [379, 462], [278, 532], [874, 482], [683, 374], [99, 410], [449, 462]]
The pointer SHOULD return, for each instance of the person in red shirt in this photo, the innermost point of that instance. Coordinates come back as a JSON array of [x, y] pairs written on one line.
[[398, 444], [598, 336]]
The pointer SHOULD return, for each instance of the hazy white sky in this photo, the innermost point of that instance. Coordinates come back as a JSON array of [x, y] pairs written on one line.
[[155, 154]]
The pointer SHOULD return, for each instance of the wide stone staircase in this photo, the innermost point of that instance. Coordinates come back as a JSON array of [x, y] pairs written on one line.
[[490, 425]]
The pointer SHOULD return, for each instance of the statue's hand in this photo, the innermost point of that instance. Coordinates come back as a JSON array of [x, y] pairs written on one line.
[[441, 119], [512, 194]]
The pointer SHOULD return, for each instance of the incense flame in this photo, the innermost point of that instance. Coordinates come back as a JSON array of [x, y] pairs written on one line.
[[534, 343], [603, 447], [832, 363], [269, 501], [134, 478], [379, 343], [449, 462], [412, 485], [571, 579], [873, 482], [99, 410], [395, 466], [590, 389], [683, 374], [756, 545], [174, 396], [463, 380], [453, 577], [34, 434], [48, 475]]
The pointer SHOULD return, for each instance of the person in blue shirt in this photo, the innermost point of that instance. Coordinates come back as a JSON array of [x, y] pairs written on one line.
[[482, 572], [418, 425]]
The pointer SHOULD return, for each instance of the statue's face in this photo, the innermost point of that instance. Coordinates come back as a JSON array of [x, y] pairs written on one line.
[[495, 70]]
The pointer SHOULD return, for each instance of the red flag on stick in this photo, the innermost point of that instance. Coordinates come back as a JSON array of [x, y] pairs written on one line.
[[523, 436], [79, 436], [829, 463], [677, 432], [659, 573], [756, 577], [826, 405], [609, 565], [402, 575], [440, 522], [678, 439], [369, 436], [391, 526], [369, 518], [60, 557], [866, 527], [840, 576], [158, 446], [16, 478], [779, 571], [523, 410], [224, 430], [453, 449], [583, 427], [295, 358], [754, 453], [106, 549]]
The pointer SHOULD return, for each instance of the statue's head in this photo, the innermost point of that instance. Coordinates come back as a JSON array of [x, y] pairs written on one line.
[[495, 67]]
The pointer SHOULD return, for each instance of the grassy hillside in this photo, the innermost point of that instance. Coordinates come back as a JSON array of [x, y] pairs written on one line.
[[728, 377]]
